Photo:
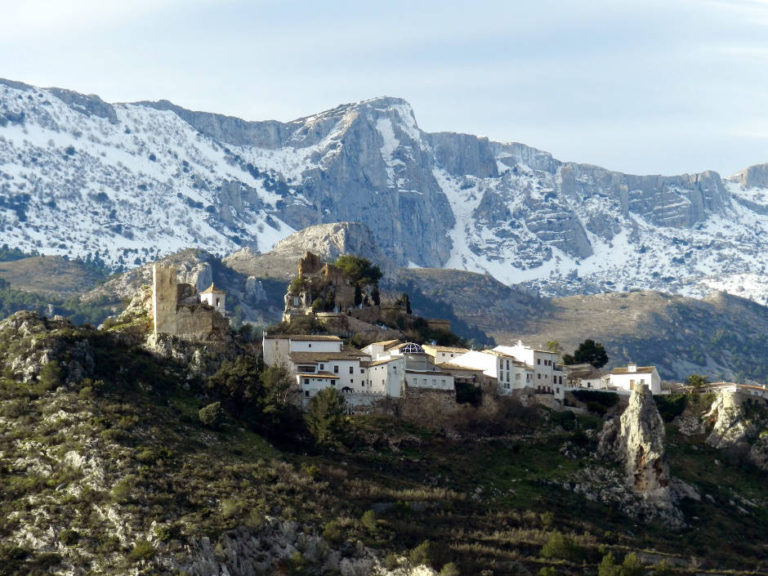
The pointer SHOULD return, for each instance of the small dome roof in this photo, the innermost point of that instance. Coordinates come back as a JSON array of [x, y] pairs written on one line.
[[411, 348]]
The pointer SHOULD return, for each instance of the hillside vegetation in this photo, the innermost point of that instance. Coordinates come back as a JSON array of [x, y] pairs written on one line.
[[106, 470]]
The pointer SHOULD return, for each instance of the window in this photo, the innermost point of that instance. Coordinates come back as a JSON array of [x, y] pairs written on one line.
[[362, 370], [306, 393], [538, 360], [322, 366], [335, 369], [351, 370], [351, 380], [306, 381], [310, 345], [538, 376]]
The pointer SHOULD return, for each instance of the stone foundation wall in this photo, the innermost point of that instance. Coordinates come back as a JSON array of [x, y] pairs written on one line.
[[429, 407]]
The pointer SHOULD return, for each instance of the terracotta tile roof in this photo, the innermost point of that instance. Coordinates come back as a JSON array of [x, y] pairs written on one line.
[[314, 357], [385, 343], [445, 348], [384, 361], [640, 370], [303, 337], [212, 290]]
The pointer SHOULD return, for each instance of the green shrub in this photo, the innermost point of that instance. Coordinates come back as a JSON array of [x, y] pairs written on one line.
[[50, 378], [450, 569], [671, 406], [333, 532], [142, 551], [632, 566], [211, 415], [561, 547], [369, 521], [69, 537], [422, 554], [123, 490], [608, 567], [326, 418]]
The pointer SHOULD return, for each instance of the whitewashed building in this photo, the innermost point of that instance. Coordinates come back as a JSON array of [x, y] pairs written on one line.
[[632, 376], [509, 372], [441, 354], [277, 348], [548, 374], [386, 376]]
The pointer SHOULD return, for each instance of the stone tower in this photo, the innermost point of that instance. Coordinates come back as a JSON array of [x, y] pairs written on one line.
[[164, 296]]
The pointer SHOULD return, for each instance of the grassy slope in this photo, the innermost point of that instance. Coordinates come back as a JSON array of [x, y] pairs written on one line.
[[50, 275]]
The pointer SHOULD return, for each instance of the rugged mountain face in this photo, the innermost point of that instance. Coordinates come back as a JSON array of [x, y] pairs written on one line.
[[329, 241], [135, 181]]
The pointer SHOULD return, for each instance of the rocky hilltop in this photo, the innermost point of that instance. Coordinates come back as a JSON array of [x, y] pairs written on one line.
[[131, 182]]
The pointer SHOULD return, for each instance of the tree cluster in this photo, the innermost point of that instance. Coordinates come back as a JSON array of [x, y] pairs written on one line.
[[588, 352]]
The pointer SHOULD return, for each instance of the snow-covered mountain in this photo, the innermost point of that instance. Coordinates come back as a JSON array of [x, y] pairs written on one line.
[[131, 182]]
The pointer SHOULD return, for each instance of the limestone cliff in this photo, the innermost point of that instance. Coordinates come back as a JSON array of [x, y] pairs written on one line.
[[637, 440], [730, 425]]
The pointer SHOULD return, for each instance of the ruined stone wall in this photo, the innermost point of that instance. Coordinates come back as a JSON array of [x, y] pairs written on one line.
[[345, 292], [310, 264], [429, 407], [164, 299], [200, 323]]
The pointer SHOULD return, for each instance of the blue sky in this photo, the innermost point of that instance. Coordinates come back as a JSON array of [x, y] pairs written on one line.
[[638, 86]]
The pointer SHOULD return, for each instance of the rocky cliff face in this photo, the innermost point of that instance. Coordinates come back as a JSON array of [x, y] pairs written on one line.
[[636, 440], [328, 241], [132, 182]]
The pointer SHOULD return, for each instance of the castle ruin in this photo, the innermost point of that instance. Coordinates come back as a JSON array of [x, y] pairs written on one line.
[[178, 310]]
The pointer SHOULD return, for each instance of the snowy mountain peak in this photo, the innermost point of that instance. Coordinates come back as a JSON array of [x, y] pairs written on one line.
[[130, 182]]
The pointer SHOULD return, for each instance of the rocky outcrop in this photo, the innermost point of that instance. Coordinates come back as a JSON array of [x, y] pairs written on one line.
[[752, 177], [28, 342], [328, 241], [730, 425], [636, 440]]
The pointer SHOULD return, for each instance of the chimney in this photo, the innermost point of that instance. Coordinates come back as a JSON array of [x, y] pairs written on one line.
[[632, 367]]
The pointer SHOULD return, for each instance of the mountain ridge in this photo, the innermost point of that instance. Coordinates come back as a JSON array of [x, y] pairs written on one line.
[[132, 182]]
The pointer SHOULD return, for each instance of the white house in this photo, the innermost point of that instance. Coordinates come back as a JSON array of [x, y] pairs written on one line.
[[387, 376], [633, 375], [442, 354], [345, 370], [380, 350], [509, 372], [548, 375], [278, 347]]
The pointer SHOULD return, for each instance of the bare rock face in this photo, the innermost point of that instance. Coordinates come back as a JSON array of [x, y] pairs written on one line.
[[328, 241], [731, 426], [637, 441]]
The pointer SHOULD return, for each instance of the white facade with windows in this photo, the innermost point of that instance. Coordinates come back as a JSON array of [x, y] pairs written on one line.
[[634, 376], [548, 375]]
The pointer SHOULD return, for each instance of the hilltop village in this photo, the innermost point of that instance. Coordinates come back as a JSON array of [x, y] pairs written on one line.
[[340, 303]]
